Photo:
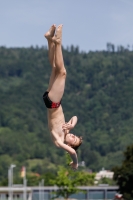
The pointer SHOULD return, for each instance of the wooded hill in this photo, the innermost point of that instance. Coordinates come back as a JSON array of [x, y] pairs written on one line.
[[99, 90]]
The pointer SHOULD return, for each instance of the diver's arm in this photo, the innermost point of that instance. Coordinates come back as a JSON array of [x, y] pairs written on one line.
[[71, 124], [73, 121], [72, 152]]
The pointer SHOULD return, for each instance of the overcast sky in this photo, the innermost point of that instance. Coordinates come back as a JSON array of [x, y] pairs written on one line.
[[90, 24]]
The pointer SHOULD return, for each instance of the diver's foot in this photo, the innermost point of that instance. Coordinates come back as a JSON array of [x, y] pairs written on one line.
[[49, 35], [58, 35]]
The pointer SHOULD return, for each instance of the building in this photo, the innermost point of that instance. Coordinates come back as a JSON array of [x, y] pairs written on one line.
[[103, 173]]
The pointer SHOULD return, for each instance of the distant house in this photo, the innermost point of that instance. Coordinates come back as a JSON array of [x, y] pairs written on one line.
[[103, 173]]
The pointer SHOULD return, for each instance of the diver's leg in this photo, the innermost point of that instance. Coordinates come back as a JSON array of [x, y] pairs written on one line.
[[57, 90], [51, 53]]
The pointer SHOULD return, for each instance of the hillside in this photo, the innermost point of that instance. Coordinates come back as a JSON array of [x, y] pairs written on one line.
[[99, 90]]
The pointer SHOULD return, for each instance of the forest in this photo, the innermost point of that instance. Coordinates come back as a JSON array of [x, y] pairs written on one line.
[[99, 91]]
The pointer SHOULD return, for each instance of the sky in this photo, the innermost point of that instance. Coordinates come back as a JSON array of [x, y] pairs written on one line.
[[89, 24]]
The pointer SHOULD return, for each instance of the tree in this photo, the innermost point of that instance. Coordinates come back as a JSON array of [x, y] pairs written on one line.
[[67, 180], [106, 180], [123, 175]]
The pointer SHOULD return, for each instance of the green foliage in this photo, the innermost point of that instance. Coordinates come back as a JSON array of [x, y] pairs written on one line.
[[107, 181], [33, 180], [67, 180], [5, 161], [123, 174], [98, 90]]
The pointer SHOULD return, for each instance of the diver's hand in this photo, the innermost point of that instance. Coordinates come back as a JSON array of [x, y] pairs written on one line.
[[73, 166], [67, 126]]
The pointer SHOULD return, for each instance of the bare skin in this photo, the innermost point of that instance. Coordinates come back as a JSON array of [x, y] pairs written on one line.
[[59, 129]]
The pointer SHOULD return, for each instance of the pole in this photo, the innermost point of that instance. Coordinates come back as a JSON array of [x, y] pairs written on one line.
[[25, 186], [23, 174], [42, 189], [9, 183], [11, 168], [39, 190]]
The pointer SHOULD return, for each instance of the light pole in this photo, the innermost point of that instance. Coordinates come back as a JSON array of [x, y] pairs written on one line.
[[10, 180], [9, 183], [11, 167], [41, 191]]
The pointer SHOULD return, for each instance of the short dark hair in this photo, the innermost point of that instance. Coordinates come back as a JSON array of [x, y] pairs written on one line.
[[75, 147]]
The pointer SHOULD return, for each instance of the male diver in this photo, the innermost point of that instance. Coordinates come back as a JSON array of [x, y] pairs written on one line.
[[60, 131]]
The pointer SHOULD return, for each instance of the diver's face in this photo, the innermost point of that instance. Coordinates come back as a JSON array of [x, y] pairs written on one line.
[[71, 139]]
